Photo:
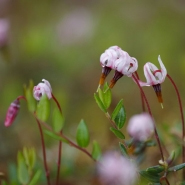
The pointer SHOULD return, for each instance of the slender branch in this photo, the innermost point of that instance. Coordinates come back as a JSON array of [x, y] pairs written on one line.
[[59, 146], [68, 140], [149, 110], [43, 152], [182, 119], [142, 99]]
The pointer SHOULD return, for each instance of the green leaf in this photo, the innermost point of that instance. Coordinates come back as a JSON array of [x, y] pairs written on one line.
[[123, 149], [150, 177], [31, 102], [96, 151], [32, 158], [35, 178], [100, 103], [176, 168], [23, 175], [117, 109], [107, 96], [150, 143], [58, 120], [55, 136], [43, 108], [120, 118], [155, 169], [117, 133], [82, 135]]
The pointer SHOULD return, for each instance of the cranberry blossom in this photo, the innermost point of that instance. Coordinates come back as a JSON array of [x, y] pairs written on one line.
[[154, 77], [117, 59], [41, 89], [141, 127], [116, 169]]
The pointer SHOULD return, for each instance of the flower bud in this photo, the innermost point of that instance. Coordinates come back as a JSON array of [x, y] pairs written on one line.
[[116, 169], [41, 89], [12, 113], [141, 127]]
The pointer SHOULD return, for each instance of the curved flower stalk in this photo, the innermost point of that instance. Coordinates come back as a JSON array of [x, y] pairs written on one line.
[[41, 89], [141, 127], [154, 77], [117, 59]]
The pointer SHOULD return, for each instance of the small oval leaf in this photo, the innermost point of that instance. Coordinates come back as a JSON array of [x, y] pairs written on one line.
[[117, 133], [96, 151], [117, 109], [150, 177], [43, 108], [35, 178], [123, 149], [176, 168], [82, 135], [107, 96], [100, 103], [58, 120], [120, 118]]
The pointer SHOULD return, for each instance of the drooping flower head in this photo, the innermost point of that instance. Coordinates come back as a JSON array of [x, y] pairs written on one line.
[[116, 169], [41, 89], [141, 127], [125, 65], [12, 113], [120, 61], [154, 77]]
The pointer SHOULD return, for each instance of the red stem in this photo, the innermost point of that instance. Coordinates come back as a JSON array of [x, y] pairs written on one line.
[[43, 152], [182, 118], [148, 107], [21, 97], [142, 99], [59, 146]]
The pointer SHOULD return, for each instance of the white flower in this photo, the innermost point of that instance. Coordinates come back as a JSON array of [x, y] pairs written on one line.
[[115, 169], [141, 127], [153, 75], [41, 89]]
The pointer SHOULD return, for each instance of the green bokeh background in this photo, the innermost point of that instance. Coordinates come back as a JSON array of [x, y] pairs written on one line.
[[61, 41]]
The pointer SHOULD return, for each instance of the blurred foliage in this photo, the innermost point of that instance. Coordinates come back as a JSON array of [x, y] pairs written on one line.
[[62, 41]]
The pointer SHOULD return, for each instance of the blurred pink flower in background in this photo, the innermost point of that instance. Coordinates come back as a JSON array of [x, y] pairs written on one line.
[[12, 113], [4, 31], [115, 169], [41, 89], [141, 127], [76, 26]]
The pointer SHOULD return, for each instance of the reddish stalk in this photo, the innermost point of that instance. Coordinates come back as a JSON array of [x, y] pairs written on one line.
[[142, 99], [21, 97], [149, 110], [182, 119], [43, 152], [59, 146]]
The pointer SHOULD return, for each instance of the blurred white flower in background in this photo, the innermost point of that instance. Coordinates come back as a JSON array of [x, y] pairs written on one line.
[[114, 169], [4, 31], [76, 26], [141, 127]]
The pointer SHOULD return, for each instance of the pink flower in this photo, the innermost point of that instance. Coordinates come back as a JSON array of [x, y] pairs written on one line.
[[12, 113], [41, 89], [155, 77], [4, 31], [141, 127], [116, 169], [117, 59]]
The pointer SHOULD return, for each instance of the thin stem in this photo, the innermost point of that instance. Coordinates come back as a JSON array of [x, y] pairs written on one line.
[[43, 152], [59, 146], [21, 97], [149, 110], [182, 119], [68, 140], [142, 99]]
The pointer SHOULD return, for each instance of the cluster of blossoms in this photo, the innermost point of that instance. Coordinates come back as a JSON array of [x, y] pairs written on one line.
[[114, 58]]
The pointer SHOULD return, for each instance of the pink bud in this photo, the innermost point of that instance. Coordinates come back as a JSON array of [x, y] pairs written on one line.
[[12, 113], [141, 127], [4, 29], [41, 89]]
